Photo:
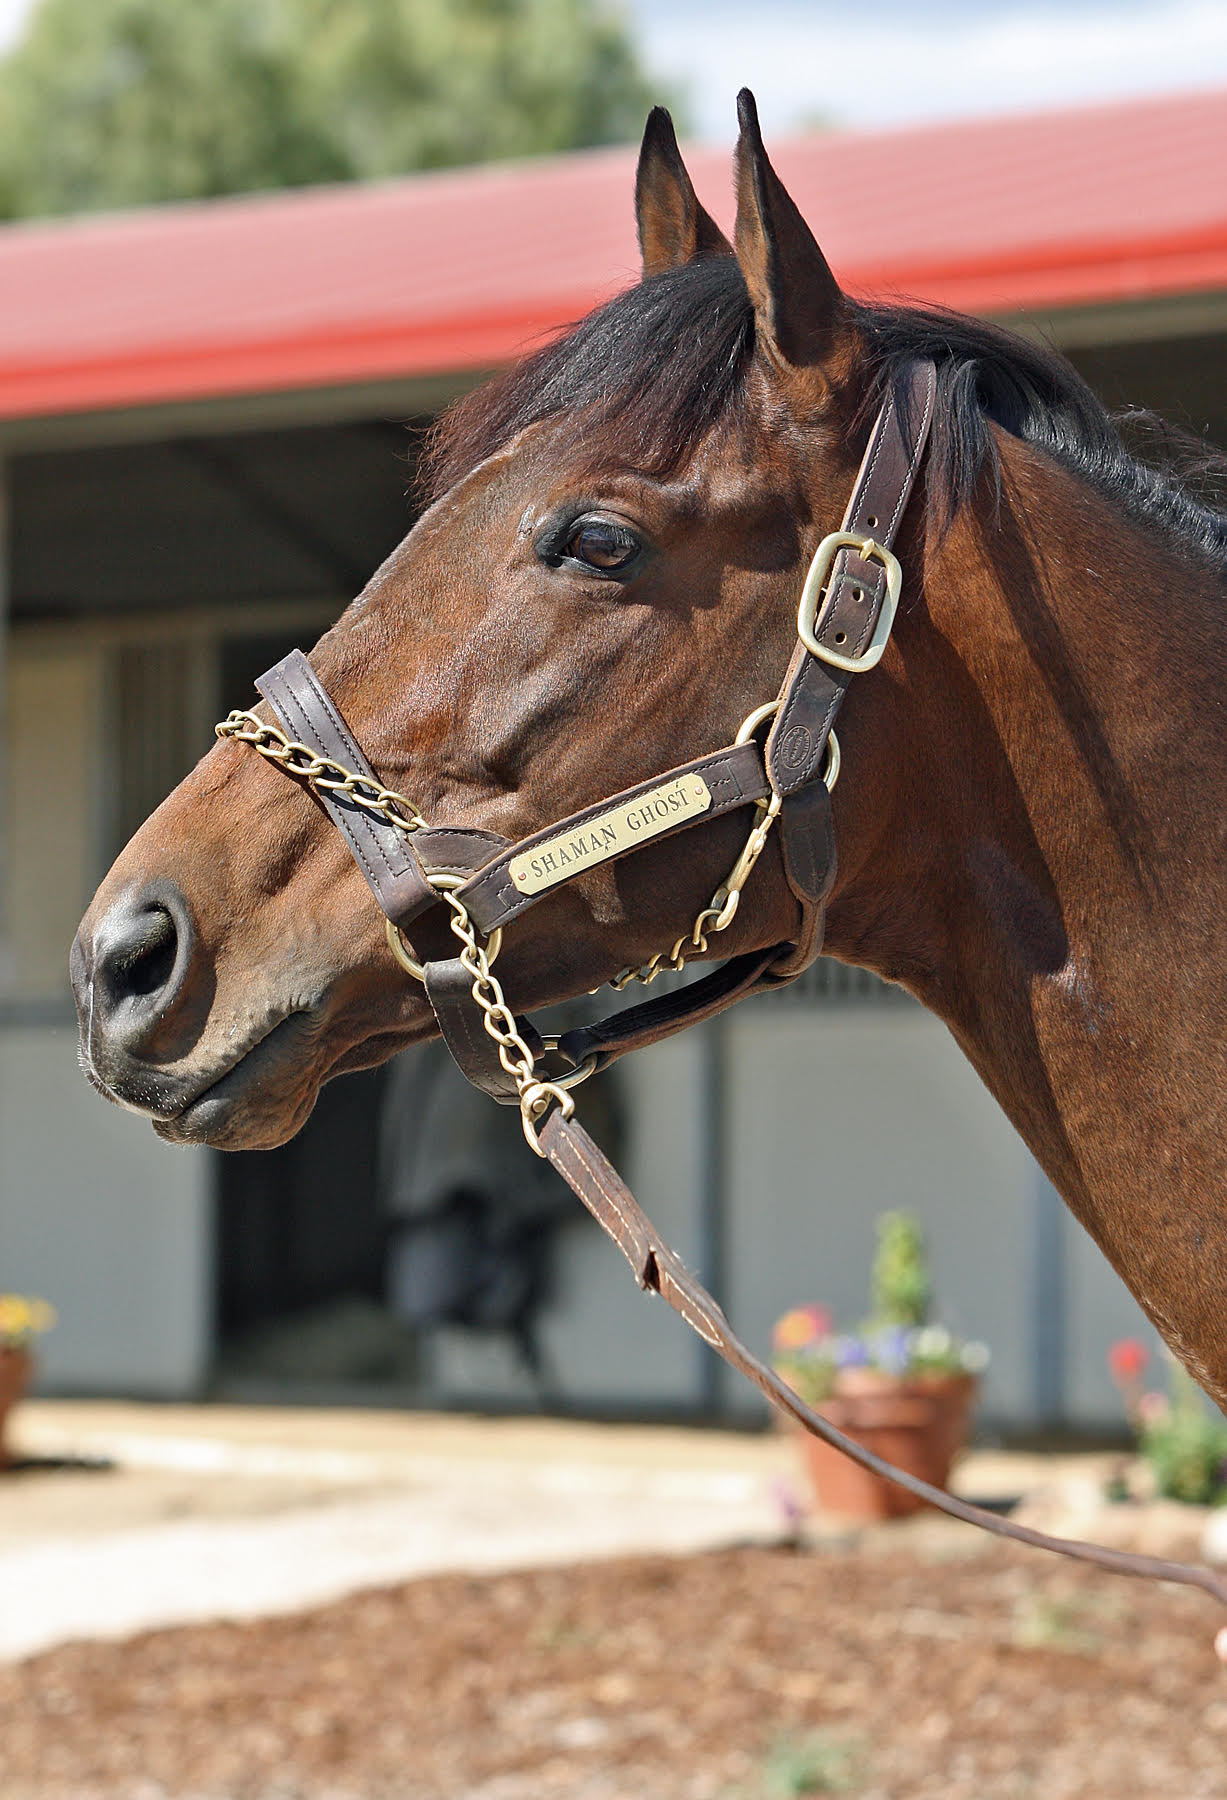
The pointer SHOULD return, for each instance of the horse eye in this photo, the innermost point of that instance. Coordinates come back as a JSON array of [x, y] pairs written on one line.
[[602, 544]]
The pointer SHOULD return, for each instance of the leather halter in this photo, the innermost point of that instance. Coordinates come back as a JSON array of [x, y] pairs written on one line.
[[844, 620], [858, 599]]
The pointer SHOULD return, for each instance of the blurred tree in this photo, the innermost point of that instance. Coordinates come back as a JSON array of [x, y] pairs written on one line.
[[107, 103]]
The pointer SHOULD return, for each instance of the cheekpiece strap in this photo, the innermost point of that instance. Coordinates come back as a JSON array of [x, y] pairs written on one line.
[[856, 586]]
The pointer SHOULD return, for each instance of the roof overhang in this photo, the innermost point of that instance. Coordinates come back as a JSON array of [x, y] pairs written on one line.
[[1108, 213]]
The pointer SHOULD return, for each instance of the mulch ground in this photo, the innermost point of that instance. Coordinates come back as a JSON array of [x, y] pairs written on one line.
[[743, 1675]]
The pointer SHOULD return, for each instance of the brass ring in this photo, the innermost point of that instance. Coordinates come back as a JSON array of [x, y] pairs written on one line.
[[574, 1076], [750, 724], [535, 1103], [399, 946], [830, 775]]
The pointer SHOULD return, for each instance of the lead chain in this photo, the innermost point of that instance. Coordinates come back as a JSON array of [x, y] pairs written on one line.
[[723, 909], [321, 771], [514, 1054], [718, 915]]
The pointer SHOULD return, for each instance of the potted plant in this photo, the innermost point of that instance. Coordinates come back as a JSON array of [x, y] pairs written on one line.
[[901, 1385], [21, 1319]]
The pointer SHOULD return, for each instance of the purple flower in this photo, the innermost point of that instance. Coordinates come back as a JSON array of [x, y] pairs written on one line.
[[894, 1350], [851, 1353]]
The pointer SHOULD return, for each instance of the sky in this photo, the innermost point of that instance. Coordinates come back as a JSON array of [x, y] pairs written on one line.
[[898, 63], [843, 63]]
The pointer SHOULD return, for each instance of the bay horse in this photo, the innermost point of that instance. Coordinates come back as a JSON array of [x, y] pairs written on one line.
[[1030, 819]]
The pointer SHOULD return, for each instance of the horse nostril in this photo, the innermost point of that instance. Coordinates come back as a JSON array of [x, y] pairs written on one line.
[[142, 950], [140, 962]]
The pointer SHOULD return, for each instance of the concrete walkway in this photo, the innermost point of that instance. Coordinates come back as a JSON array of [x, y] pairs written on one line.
[[233, 1512], [211, 1512]]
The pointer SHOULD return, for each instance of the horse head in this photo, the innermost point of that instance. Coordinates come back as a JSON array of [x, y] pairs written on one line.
[[604, 584]]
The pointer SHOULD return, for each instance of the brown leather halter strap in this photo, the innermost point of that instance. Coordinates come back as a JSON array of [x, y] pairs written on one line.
[[849, 612]]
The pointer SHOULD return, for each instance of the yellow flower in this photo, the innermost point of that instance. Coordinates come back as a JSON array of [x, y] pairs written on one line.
[[22, 1317]]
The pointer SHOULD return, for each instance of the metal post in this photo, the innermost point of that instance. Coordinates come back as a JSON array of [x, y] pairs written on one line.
[[714, 1094], [1048, 1323]]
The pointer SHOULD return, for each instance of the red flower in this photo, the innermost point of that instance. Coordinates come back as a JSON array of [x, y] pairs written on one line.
[[1126, 1359], [798, 1329]]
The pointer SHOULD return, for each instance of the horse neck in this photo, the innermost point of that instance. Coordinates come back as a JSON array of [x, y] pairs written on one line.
[[1049, 875]]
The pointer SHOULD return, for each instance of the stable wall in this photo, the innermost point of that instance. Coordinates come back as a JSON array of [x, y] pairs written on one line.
[[841, 1112], [96, 1214], [100, 1217]]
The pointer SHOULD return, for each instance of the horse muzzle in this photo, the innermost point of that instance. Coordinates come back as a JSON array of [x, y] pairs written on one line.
[[130, 970]]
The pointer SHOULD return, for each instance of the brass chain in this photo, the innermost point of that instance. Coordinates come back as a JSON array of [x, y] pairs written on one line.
[[321, 771], [536, 1096], [718, 915]]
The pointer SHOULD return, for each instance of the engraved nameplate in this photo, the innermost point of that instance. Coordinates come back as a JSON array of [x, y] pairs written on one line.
[[609, 834]]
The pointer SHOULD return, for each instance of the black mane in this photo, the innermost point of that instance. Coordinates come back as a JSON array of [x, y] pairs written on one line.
[[985, 373], [647, 376]]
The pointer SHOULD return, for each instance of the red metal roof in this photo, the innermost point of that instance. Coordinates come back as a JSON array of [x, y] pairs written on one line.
[[460, 270]]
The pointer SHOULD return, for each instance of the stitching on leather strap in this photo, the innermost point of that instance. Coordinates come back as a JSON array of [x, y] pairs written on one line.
[[289, 700], [343, 732], [493, 899], [635, 1236], [922, 436]]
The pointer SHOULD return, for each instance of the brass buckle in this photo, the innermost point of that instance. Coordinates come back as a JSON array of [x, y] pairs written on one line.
[[811, 597], [399, 946]]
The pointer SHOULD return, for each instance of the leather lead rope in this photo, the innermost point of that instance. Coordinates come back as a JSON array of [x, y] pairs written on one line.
[[658, 1270]]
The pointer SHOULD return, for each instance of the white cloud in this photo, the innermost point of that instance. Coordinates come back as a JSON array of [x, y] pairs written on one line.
[[12, 18], [809, 61]]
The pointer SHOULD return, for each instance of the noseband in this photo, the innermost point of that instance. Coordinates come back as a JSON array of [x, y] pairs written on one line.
[[846, 611]]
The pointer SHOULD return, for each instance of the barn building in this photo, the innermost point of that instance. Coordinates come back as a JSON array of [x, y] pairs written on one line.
[[203, 455]]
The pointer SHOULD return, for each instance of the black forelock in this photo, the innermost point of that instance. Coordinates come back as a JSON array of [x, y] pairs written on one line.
[[649, 375]]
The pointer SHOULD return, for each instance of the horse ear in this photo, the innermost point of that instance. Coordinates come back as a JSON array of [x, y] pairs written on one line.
[[798, 306], [673, 228]]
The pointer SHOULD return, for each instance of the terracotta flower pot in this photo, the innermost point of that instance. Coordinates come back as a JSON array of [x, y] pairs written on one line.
[[918, 1422], [16, 1367]]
